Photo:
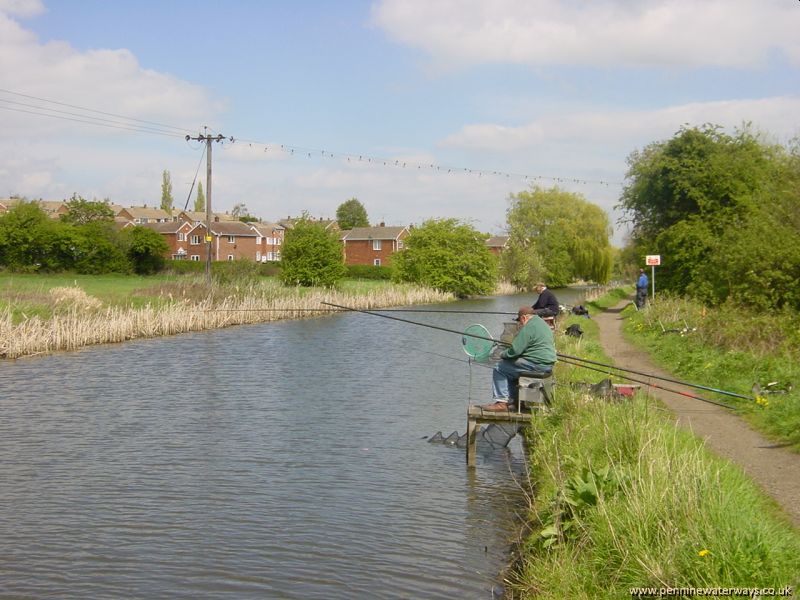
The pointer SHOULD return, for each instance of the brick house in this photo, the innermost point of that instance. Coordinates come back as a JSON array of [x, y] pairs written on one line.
[[139, 215], [270, 240], [196, 217], [176, 234], [497, 244], [52, 208], [372, 245]]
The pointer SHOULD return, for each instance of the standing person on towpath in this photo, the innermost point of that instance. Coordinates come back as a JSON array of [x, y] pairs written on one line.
[[641, 289], [532, 349], [546, 304]]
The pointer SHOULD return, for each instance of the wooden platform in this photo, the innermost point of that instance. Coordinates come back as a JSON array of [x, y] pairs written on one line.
[[476, 416]]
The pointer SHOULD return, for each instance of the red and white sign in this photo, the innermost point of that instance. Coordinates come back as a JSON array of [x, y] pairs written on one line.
[[652, 260]]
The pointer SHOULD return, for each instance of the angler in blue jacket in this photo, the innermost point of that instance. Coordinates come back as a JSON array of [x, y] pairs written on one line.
[[641, 289]]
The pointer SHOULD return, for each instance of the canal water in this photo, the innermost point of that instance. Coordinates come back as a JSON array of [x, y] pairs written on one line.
[[283, 460]]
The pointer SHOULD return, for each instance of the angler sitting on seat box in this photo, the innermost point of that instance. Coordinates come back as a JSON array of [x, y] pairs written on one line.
[[546, 304], [532, 349]]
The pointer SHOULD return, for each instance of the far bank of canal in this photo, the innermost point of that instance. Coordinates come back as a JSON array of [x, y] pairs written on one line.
[[275, 460]]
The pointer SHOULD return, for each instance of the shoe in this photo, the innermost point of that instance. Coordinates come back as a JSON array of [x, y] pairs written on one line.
[[496, 406]]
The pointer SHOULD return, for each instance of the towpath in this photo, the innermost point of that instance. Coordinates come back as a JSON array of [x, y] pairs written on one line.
[[775, 468]]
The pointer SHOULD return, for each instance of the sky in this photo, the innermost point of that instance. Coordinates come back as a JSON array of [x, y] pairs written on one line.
[[420, 109]]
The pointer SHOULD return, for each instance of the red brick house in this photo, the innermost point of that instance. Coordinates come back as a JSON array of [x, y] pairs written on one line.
[[230, 240], [270, 240], [139, 215], [497, 244], [176, 234], [372, 245]]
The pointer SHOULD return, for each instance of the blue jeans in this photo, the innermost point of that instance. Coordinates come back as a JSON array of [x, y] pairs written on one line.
[[506, 373]]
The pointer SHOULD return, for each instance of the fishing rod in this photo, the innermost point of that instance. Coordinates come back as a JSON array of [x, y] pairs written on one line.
[[650, 384], [408, 310], [694, 385], [562, 356]]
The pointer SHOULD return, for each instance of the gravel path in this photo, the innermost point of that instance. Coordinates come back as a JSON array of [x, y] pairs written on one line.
[[775, 468]]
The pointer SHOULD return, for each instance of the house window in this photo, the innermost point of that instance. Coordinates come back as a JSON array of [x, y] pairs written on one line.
[[230, 256], [231, 239], [376, 244], [196, 257], [377, 262], [399, 244], [258, 255], [195, 240], [181, 237]]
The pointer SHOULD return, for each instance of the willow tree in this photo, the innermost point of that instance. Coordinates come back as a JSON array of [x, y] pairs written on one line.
[[557, 236]]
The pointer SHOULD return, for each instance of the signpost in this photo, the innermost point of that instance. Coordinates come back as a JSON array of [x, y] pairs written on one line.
[[653, 261]]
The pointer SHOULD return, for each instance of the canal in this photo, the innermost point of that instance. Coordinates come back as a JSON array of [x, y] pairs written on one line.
[[283, 460]]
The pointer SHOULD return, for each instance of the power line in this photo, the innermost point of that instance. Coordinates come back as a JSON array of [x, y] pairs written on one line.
[[83, 108], [37, 110], [153, 127]]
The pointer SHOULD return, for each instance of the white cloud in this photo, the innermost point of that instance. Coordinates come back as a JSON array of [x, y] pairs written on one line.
[[22, 8], [776, 116], [676, 33]]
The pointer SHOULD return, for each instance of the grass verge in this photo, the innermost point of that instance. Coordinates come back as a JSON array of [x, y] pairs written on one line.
[[732, 349], [623, 499]]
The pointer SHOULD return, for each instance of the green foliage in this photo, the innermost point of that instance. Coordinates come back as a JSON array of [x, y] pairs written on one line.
[[311, 256], [166, 192], [146, 249], [558, 237], [219, 269], [369, 272], [623, 498], [30, 241], [731, 348], [447, 255], [81, 211], [101, 249], [237, 272], [351, 214], [724, 213], [200, 199]]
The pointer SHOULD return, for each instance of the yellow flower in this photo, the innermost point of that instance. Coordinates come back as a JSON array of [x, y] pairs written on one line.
[[761, 401], [704, 552]]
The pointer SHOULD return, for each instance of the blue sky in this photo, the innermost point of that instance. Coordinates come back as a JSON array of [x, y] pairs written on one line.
[[561, 92]]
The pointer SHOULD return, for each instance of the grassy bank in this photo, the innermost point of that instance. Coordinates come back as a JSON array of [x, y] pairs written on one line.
[[621, 499], [41, 314], [732, 349]]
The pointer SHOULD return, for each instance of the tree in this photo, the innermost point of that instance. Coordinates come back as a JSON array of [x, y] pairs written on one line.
[[31, 241], [146, 249], [200, 200], [448, 255], [722, 210], [556, 236], [239, 210], [352, 214], [311, 256], [81, 211], [166, 192]]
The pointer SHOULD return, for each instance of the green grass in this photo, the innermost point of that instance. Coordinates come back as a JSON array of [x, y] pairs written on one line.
[[728, 349], [621, 498]]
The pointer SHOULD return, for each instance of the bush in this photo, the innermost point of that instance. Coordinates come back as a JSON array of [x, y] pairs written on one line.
[[369, 272]]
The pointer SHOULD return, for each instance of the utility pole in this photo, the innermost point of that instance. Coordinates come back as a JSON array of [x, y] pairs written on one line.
[[208, 139]]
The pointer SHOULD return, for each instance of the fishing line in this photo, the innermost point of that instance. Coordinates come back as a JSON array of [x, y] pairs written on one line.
[[382, 310], [561, 356], [649, 384], [686, 383]]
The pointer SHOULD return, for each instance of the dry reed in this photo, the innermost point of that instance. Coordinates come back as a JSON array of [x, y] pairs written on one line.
[[80, 323]]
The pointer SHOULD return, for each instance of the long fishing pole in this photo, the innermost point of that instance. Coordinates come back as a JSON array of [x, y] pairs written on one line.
[[564, 356], [650, 384], [403, 310], [694, 385]]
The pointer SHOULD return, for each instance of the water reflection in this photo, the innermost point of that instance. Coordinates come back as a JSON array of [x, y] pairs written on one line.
[[284, 460]]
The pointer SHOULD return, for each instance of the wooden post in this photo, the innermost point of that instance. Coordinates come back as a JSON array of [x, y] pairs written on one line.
[[472, 438]]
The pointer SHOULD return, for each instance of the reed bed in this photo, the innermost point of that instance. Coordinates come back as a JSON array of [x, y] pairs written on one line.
[[80, 322]]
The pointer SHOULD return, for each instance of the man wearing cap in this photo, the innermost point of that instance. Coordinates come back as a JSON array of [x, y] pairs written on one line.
[[546, 304], [532, 349]]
